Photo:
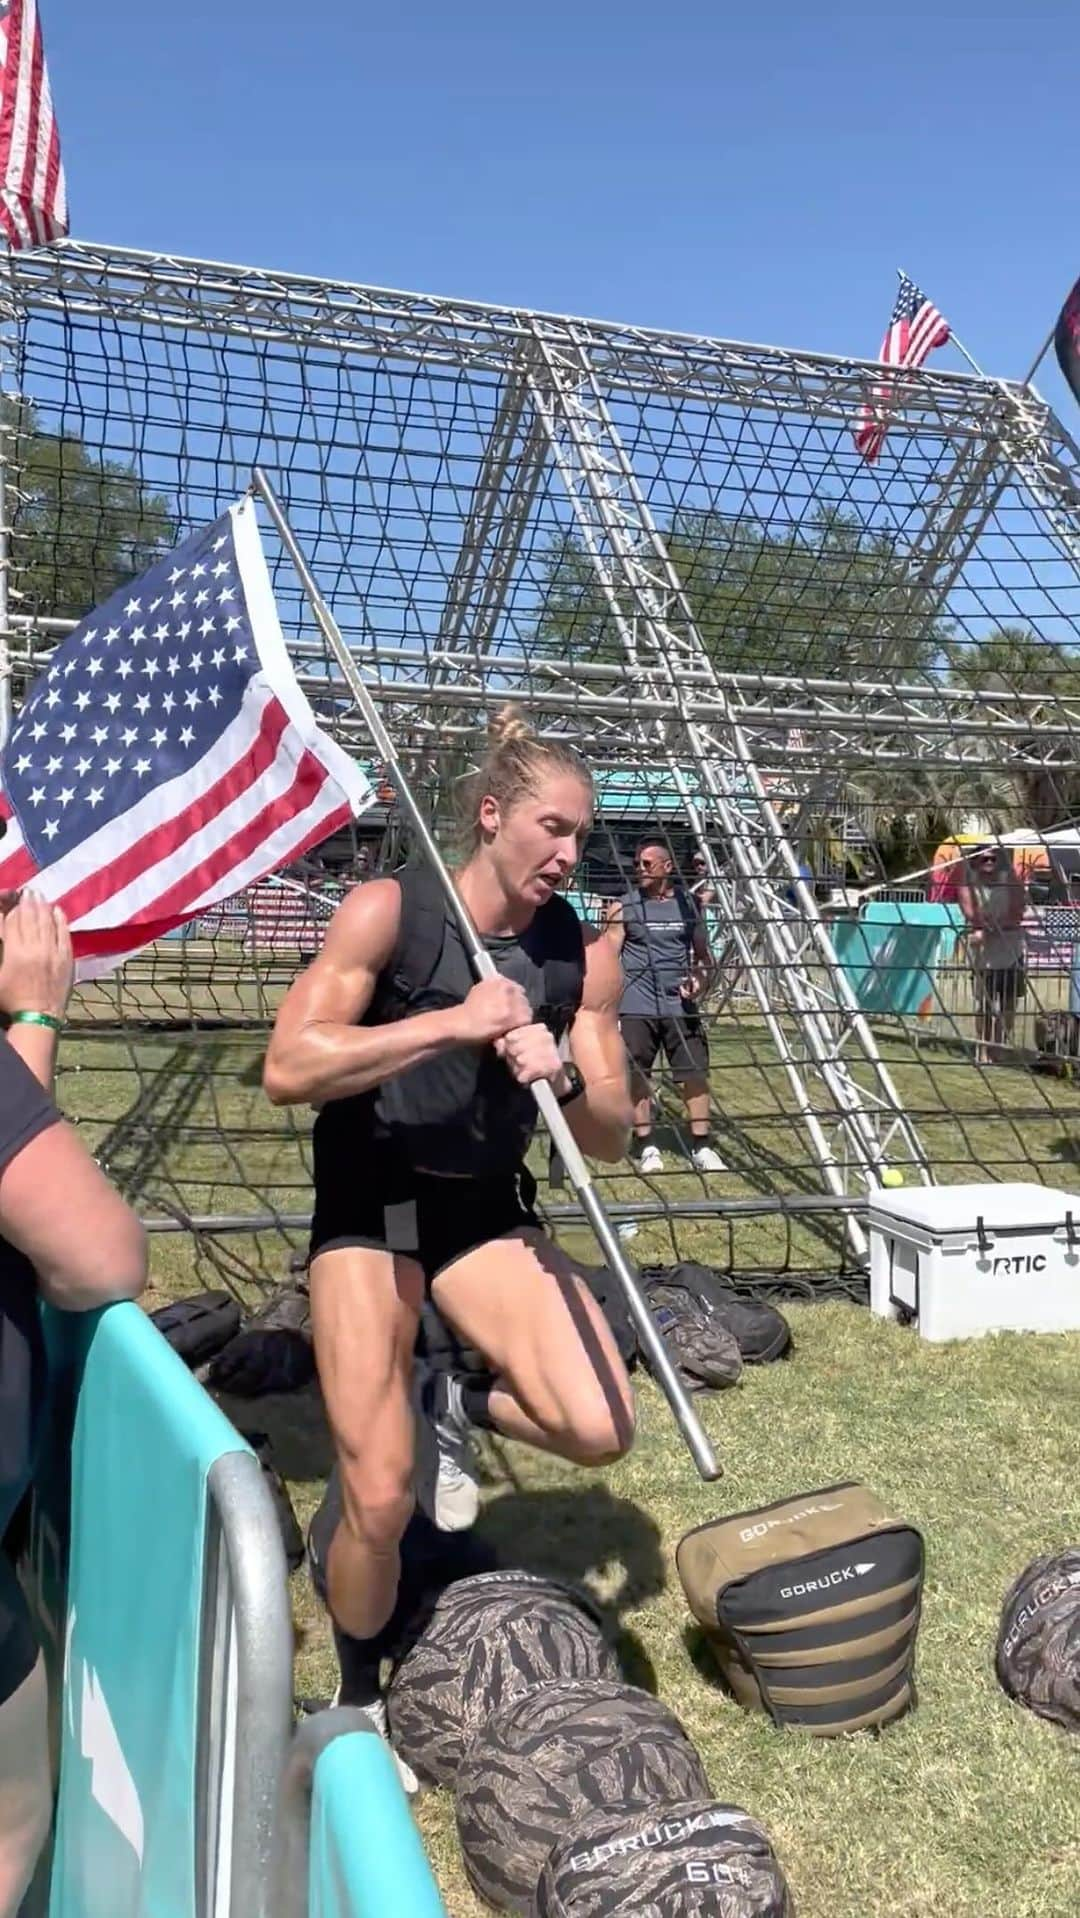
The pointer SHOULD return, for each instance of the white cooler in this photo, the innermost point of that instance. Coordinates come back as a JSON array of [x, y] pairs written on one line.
[[966, 1259]]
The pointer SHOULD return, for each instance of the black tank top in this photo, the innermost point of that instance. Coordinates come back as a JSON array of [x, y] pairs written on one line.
[[461, 1112]]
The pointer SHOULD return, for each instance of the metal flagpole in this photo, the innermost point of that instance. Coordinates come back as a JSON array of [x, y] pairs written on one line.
[[484, 966]]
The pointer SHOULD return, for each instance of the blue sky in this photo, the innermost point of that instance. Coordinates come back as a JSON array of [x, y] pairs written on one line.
[[751, 172]]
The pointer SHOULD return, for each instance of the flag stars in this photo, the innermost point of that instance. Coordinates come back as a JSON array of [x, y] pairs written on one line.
[[95, 796], [142, 767], [113, 633], [70, 668], [172, 665], [125, 669], [195, 662], [65, 795], [38, 731], [219, 543], [227, 592], [23, 763], [186, 735], [150, 667], [82, 701], [214, 695], [168, 703], [201, 598], [217, 657], [99, 735], [158, 736], [232, 623], [54, 764], [239, 653], [129, 735], [177, 573], [51, 828], [112, 702], [207, 626], [221, 567], [112, 767], [142, 704], [67, 733], [193, 699], [52, 697], [93, 668], [198, 571], [133, 606], [161, 632], [138, 634], [83, 765], [37, 796]]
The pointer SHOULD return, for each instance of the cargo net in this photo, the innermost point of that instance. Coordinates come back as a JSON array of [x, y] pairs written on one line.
[[842, 697]]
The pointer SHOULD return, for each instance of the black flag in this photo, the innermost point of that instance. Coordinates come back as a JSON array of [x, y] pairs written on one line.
[[1067, 340]]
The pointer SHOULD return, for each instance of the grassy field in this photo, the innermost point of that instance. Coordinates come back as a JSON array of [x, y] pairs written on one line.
[[968, 1807], [965, 1810]]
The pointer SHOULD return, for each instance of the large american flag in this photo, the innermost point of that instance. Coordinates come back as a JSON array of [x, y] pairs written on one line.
[[915, 329], [33, 197], [168, 758]]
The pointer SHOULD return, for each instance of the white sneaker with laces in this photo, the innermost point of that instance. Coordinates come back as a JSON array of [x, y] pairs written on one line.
[[376, 1714], [457, 1494], [707, 1159], [651, 1161]]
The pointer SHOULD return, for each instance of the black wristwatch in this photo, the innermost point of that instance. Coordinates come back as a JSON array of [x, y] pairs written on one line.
[[576, 1086]]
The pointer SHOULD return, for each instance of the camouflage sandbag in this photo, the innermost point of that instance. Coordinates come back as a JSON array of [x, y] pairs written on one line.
[[706, 1355], [696, 1860], [488, 1641], [1038, 1648], [549, 1760]]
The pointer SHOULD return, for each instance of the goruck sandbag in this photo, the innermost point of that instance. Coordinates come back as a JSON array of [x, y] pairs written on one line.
[[1038, 1649], [696, 1860], [760, 1331], [811, 1607], [542, 1764], [488, 1641]]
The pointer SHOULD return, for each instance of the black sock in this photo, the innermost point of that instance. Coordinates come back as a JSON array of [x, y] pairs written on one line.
[[359, 1668], [639, 1142], [700, 1138], [476, 1390]]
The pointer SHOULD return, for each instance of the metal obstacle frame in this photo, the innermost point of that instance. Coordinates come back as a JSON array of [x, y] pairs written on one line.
[[590, 409]]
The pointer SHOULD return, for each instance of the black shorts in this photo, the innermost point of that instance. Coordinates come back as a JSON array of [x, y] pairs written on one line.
[[18, 1646], [998, 988], [684, 1040], [390, 1208]]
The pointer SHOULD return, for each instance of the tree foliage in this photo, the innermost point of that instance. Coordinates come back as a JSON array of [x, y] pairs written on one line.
[[81, 525]]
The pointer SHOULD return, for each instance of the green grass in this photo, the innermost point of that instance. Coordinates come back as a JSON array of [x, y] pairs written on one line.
[[967, 1809]]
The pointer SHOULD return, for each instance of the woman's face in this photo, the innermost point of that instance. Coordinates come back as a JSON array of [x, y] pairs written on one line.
[[535, 844]]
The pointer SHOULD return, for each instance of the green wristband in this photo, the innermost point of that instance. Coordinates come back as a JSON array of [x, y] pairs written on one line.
[[37, 1019]]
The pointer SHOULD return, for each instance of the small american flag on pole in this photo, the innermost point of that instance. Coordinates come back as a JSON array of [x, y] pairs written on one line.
[[915, 329], [168, 758], [33, 197]]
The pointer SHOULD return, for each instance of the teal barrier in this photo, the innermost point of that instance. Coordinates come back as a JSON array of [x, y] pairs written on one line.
[[366, 1859], [143, 1585], [891, 952]]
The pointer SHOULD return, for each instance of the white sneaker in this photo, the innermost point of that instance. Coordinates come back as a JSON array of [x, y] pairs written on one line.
[[456, 1495], [707, 1159], [651, 1161], [376, 1713]]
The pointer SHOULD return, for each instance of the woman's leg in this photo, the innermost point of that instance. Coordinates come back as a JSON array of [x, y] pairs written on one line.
[[560, 1383], [365, 1307]]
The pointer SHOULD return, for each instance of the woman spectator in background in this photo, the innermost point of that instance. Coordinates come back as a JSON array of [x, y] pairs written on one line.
[[68, 1237], [992, 898]]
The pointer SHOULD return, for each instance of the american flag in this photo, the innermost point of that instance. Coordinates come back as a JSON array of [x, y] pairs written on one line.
[[168, 758], [915, 329], [33, 197]]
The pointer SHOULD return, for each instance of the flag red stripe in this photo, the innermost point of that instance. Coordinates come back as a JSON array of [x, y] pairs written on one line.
[[18, 870], [26, 183], [156, 846], [310, 777]]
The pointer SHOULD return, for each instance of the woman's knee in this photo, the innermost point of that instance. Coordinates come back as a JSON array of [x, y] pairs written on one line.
[[599, 1426]]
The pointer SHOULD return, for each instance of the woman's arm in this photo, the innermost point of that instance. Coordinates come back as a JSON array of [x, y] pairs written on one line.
[[318, 1052]]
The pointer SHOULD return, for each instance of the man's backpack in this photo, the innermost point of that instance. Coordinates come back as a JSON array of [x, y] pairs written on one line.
[[422, 936], [697, 1293]]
